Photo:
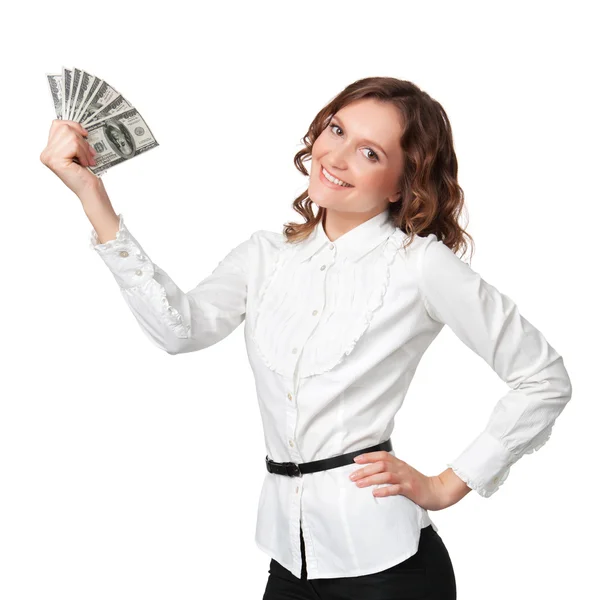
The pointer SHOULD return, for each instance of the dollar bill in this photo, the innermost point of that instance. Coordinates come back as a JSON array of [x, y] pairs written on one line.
[[119, 138], [66, 91], [114, 106], [56, 92], [75, 81]]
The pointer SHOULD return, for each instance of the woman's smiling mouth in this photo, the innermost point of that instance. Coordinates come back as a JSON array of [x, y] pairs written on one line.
[[332, 181]]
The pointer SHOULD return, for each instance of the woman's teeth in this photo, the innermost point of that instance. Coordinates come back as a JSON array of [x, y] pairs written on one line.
[[333, 179]]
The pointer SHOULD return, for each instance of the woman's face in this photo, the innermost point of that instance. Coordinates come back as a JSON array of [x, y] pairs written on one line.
[[361, 147]]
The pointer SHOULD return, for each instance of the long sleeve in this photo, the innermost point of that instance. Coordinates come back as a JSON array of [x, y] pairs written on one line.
[[174, 321], [490, 324]]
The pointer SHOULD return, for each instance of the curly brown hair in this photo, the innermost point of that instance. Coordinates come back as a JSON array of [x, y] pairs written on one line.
[[431, 200]]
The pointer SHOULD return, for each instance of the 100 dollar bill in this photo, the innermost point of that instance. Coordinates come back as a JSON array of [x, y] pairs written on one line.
[[118, 138], [56, 92], [117, 105]]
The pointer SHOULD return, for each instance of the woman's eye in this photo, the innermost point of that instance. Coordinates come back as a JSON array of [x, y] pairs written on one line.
[[333, 125], [374, 154], [375, 159]]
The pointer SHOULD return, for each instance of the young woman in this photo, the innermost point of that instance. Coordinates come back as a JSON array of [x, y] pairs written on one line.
[[338, 312]]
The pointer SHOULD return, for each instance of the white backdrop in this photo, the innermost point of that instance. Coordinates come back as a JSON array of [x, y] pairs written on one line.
[[127, 473]]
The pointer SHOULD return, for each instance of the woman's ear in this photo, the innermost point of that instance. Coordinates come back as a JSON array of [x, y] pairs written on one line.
[[395, 197]]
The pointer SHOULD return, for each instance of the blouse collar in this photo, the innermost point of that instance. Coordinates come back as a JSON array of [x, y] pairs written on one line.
[[353, 244]]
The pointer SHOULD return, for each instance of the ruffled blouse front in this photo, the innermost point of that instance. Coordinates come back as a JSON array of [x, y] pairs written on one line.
[[322, 302]]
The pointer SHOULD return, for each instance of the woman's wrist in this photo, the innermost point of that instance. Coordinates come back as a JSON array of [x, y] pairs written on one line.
[[100, 212], [93, 194], [454, 488]]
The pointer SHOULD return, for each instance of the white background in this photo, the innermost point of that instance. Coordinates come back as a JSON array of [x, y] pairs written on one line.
[[127, 473]]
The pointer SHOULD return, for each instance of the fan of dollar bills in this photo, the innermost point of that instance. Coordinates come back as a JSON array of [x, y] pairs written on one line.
[[115, 128]]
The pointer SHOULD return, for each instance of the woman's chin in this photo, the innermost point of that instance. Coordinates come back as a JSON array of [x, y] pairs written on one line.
[[322, 197]]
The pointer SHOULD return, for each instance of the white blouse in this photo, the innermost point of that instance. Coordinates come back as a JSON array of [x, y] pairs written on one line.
[[334, 332]]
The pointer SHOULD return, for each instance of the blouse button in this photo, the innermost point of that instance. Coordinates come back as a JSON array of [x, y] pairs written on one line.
[[495, 480], [294, 350], [297, 488], [124, 253], [323, 267], [290, 397], [138, 272], [291, 443], [331, 246], [315, 312]]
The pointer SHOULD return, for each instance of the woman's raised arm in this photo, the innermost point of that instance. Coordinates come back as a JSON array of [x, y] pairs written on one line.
[[174, 320]]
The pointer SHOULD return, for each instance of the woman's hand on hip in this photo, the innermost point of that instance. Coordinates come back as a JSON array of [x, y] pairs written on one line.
[[381, 467]]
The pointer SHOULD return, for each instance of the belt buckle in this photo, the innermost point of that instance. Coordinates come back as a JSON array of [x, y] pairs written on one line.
[[292, 469]]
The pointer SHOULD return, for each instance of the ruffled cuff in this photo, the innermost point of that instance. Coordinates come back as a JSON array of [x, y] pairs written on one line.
[[125, 257], [484, 465], [120, 236]]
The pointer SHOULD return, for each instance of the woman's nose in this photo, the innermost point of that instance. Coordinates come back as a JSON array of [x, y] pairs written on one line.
[[338, 159]]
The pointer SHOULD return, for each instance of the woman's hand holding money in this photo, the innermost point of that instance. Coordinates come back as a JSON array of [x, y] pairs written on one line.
[[66, 142]]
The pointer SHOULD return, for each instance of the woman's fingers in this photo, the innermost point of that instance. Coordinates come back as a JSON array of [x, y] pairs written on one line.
[[81, 133], [76, 149], [78, 127], [84, 153], [91, 151], [58, 123], [82, 149]]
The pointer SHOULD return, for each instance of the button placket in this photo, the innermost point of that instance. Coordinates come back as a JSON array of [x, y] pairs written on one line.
[[292, 414], [295, 484], [291, 411], [297, 350], [295, 511], [291, 419], [316, 312]]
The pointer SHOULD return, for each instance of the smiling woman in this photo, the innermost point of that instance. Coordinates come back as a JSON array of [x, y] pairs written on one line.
[[338, 312]]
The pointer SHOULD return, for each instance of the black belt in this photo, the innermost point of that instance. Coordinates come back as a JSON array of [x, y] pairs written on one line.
[[297, 470]]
